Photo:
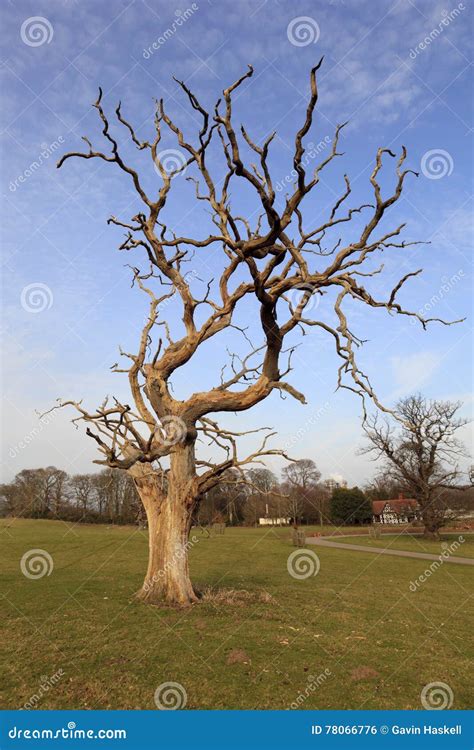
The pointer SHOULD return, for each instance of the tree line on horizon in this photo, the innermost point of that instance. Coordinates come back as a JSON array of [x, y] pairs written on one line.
[[299, 496], [240, 499]]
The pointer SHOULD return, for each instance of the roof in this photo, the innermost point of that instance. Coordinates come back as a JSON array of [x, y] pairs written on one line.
[[398, 505], [378, 506]]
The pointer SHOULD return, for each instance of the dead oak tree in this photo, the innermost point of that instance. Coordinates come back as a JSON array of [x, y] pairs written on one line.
[[274, 262]]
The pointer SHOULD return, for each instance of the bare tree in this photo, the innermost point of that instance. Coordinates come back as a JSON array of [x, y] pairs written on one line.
[[225, 500], [58, 494], [82, 486], [300, 483], [382, 487], [264, 498], [294, 507], [274, 262], [303, 474], [421, 452]]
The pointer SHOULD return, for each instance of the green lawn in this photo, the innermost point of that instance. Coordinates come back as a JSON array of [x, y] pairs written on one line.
[[357, 618], [417, 543]]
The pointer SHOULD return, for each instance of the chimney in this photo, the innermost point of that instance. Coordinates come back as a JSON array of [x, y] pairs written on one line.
[[400, 496]]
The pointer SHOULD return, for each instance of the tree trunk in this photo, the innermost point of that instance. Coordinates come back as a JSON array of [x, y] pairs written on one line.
[[431, 532], [169, 516], [431, 523]]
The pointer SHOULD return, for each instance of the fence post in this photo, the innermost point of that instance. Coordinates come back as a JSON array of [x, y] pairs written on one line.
[[299, 538]]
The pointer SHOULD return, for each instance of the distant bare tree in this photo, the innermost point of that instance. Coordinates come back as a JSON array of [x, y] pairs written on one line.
[[421, 453], [225, 500], [300, 480], [262, 480], [382, 487], [58, 492], [270, 267], [302, 474], [82, 486]]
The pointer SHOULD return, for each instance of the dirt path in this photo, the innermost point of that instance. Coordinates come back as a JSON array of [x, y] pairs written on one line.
[[381, 551]]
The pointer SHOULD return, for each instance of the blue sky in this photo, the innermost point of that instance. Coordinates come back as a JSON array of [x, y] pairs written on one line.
[[398, 71]]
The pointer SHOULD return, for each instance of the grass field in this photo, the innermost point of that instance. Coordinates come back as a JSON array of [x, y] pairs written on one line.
[[357, 619], [415, 543]]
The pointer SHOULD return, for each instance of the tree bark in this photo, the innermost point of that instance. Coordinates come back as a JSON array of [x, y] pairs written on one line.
[[169, 512], [431, 532], [432, 524]]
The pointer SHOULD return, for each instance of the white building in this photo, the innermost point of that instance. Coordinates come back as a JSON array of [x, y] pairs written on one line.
[[274, 521]]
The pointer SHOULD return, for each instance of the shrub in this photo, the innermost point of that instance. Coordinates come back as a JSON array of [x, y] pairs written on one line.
[[350, 506]]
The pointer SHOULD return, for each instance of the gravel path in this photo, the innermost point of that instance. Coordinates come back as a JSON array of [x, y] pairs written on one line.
[[381, 551]]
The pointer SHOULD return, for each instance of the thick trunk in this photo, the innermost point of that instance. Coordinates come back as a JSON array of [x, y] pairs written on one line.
[[431, 532], [167, 577], [169, 522], [431, 522]]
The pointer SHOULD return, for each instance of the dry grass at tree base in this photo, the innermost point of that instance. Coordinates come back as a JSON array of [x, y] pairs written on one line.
[[256, 640]]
